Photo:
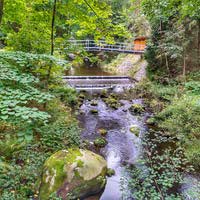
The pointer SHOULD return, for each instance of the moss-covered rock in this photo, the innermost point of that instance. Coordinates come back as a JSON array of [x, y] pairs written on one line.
[[81, 96], [103, 131], [151, 121], [110, 172], [73, 174], [94, 103], [104, 93], [100, 142], [113, 102], [135, 129], [137, 108], [94, 111]]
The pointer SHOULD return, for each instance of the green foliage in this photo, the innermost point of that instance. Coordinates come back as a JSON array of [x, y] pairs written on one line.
[[192, 150], [182, 118], [100, 142], [33, 122], [23, 185], [59, 135], [193, 87], [172, 47], [157, 171], [18, 91], [10, 145], [66, 94], [27, 25]]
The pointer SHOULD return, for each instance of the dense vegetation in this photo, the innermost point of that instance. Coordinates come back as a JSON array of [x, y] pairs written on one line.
[[172, 94], [37, 109]]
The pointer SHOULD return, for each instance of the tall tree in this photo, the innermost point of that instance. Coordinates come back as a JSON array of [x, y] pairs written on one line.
[[1, 10]]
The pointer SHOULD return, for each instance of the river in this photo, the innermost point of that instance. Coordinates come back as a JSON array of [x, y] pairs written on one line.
[[123, 146]]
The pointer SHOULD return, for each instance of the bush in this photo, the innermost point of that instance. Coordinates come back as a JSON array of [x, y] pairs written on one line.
[[182, 118]]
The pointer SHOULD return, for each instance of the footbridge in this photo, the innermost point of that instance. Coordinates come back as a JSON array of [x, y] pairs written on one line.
[[99, 82], [93, 46]]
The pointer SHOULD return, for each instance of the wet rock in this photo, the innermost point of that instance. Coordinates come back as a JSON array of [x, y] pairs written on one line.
[[110, 172], [71, 56], [112, 102], [103, 131], [135, 129], [94, 103], [81, 96], [81, 112], [94, 111], [100, 142], [104, 93], [73, 174], [137, 108], [118, 89], [151, 121]]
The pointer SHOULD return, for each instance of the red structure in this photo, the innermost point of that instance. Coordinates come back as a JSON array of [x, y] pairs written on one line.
[[140, 44]]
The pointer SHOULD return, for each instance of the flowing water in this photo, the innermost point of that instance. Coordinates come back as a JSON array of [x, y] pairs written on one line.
[[85, 70], [123, 146]]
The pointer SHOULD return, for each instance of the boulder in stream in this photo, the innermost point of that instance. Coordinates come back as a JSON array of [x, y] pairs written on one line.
[[73, 174], [103, 131], [137, 108], [94, 111], [100, 142], [135, 129]]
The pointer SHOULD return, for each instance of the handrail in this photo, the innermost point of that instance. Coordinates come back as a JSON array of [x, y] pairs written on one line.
[[101, 45]]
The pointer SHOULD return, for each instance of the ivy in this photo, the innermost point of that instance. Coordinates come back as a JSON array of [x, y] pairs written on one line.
[[157, 172]]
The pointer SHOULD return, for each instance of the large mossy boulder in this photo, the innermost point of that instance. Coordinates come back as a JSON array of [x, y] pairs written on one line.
[[73, 174]]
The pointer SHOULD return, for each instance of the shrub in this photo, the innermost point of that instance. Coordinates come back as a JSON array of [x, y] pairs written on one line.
[[182, 118]]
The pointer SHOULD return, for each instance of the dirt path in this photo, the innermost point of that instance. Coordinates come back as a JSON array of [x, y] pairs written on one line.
[[129, 65]]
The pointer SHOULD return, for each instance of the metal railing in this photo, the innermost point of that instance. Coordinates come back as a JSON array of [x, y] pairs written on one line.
[[91, 45]]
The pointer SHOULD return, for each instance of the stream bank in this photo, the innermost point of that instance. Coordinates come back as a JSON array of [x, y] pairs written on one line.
[[122, 147]]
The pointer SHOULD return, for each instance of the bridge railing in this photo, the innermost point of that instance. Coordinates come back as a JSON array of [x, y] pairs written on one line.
[[91, 45]]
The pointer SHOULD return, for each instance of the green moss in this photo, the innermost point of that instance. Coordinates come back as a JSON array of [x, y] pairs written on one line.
[[81, 96], [100, 142], [134, 129], [80, 163], [95, 186], [54, 170], [104, 93], [137, 108], [81, 169], [110, 172], [103, 132], [112, 101], [193, 153], [94, 111], [151, 121], [94, 103]]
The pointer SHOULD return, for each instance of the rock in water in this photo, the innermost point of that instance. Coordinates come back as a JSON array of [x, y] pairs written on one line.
[[73, 174]]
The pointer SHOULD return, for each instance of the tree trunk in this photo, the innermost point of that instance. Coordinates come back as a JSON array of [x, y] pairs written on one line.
[[1, 10], [52, 39], [167, 64], [198, 40], [184, 65], [52, 27]]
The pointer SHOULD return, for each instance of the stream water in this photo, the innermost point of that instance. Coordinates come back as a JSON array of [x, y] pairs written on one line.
[[123, 146]]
